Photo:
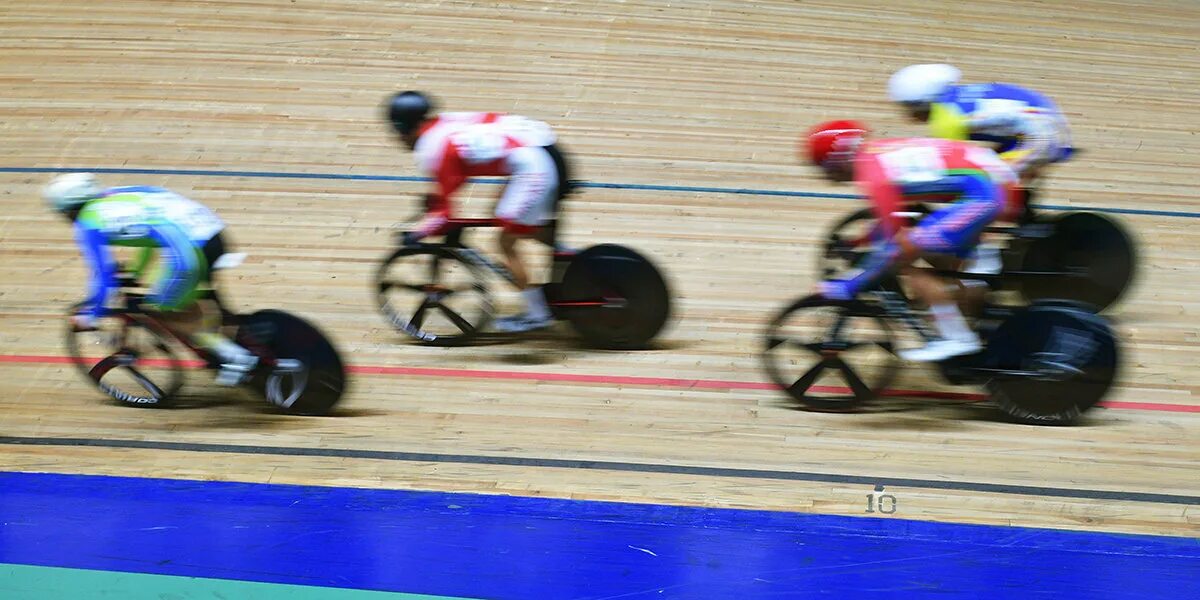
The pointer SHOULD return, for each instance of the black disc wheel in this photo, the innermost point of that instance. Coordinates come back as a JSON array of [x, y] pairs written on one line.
[[830, 355], [434, 295], [1064, 359], [131, 361], [614, 297], [299, 369], [1094, 254]]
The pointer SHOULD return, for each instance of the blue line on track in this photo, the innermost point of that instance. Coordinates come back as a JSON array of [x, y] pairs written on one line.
[[585, 184]]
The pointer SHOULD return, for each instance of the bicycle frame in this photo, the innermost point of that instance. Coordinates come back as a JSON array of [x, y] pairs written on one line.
[[895, 306], [560, 256], [133, 313]]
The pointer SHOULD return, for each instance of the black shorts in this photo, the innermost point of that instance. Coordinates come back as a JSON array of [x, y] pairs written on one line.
[[565, 185], [213, 249]]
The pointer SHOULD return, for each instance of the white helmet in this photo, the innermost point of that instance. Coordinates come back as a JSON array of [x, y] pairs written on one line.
[[70, 191], [921, 83]]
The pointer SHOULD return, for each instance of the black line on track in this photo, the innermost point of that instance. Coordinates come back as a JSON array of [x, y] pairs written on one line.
[[512, 461]]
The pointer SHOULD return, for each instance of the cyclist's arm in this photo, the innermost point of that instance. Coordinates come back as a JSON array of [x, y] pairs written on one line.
[[883, 195], [102, 269], [450, 176]]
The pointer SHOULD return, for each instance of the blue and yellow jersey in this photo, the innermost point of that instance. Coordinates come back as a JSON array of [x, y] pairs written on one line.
[[1017, 120], [148, 218]]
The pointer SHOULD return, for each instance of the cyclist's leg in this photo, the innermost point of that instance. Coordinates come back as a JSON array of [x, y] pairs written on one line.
[[173, 293], [236, 361], [180, 291], [952, 231], [548, 235], [525, 207]]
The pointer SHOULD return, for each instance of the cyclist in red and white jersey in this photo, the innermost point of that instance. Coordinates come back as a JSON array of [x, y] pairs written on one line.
[[453, 146]]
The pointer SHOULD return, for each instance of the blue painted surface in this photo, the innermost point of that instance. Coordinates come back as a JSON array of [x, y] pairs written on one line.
[[531, 548], [585, 184]]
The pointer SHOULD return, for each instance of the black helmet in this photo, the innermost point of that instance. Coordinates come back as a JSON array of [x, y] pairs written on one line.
[[407, 110]]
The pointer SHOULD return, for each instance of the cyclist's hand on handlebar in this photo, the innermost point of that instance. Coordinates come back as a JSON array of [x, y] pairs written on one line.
[[835, 289], [410, 238]]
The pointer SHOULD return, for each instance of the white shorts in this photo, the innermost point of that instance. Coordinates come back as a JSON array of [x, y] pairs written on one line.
[[528, 201]]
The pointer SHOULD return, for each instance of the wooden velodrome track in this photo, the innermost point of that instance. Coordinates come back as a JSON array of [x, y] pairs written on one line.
[[692, 94]]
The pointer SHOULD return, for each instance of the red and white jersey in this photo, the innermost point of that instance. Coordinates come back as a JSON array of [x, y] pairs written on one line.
[[893, 172], [457, 145]]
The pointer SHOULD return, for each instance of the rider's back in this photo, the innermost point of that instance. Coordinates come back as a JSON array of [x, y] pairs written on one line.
[[992, 112], [147, 216], [478, 142]]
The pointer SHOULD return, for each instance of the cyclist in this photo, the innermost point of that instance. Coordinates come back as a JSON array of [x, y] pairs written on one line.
[[150, 218], [892, 172], [453, 146], [1027, 128]]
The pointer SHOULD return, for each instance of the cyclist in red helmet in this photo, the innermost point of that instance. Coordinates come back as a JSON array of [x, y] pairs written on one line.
[[893, 172]]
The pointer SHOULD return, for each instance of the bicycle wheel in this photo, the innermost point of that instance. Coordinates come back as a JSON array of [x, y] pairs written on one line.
[[829, 354], [434, 295], [615, 298], [131, 361], [1073, 351], [315, 385], [1095, 247]]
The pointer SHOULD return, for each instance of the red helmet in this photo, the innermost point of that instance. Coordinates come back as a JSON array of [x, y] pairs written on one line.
[[833, 144]]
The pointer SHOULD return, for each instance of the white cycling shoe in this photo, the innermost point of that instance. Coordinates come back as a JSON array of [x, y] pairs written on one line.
[[522, 322], [941, 350], [235, 372]]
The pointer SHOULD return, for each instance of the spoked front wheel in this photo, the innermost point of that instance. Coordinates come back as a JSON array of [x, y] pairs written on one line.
[[434, 295], [830, 355], [299, 370], [131, 361]]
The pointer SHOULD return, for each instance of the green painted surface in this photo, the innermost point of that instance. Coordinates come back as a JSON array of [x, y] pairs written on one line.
[[23, 582]]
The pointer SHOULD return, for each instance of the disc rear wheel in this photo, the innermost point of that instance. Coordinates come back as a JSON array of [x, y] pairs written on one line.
[[1073, 353], [1095, 255], [614, 297], [300, 371]]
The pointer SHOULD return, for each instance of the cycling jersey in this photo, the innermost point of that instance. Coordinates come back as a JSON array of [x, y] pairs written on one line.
[[149, 218], [1027, 128], [455, 146], [893, 172]]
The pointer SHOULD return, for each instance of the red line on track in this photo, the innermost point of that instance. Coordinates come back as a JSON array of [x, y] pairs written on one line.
[[668, 382]]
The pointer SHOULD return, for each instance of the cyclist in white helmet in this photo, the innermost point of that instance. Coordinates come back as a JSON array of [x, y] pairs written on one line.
[[1028, 129], [1025, 128], [150, 218]]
